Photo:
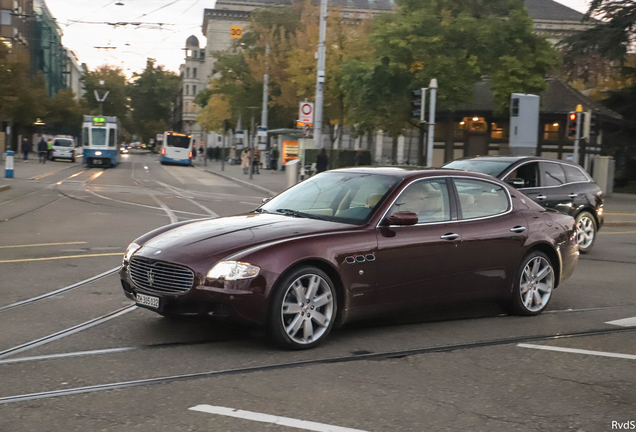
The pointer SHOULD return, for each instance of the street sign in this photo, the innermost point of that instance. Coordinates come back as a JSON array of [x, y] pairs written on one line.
[[159, 137], [262, 131], [236, 32], [306, 112]]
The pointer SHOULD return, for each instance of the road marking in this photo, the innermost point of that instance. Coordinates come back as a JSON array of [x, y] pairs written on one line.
[[578, 351], [173, 218], [69, 331], [620, 214], [67, 355], [625, 322], [267, 418], [61, 257], [624, 232], [42, 176], [41, 244], [179, 193]]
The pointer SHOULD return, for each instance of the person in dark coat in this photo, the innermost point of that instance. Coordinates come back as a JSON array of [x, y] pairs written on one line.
[[27, 147], [322, 161], [43, 150], [273, 159]]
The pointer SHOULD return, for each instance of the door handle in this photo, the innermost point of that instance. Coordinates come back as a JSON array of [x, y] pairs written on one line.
[[541, 197], [518, 229], [451, 236], [573, 195]]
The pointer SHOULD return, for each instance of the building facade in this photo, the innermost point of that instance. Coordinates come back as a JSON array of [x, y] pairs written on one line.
[[74, 73], [16, 25], [47, 52]]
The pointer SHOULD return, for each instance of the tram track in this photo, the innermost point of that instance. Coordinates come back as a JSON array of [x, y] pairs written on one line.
[[357, 356]]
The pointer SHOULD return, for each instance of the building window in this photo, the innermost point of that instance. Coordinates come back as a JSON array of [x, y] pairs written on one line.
[[499, 131], [187, 72], [187, 90], [194, 90], [194, 72], [5, 17], [188, 53], [551, 131], [186, 107]]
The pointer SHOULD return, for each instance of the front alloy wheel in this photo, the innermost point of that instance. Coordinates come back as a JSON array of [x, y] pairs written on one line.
[[587, 231], [304, 309], [534, 285]]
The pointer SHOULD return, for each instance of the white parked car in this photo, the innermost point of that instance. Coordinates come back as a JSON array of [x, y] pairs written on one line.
[[65, 148]]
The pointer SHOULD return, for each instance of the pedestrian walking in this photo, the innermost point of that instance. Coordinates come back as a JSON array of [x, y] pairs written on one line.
[[256, 161], [201, 157], [43, 150], [49, 149], [27, 146], [322, 161], [273, 159], [245, 160]]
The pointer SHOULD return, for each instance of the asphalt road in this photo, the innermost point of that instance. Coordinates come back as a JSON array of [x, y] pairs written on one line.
[[76, 355]]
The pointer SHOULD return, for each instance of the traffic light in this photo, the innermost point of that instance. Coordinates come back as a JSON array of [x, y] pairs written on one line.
[[595, 124], [417, 105], [572, 118]]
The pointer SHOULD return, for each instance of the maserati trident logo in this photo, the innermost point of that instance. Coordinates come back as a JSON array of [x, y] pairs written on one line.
[[151, 277]]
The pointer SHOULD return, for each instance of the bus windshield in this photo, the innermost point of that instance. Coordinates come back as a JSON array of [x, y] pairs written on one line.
[[98, 137], [178, 141]]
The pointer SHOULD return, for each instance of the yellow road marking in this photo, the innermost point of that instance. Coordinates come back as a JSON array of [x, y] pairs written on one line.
[[41, 244], [44, 175], [621, 214], [624, 232], [60, 257]]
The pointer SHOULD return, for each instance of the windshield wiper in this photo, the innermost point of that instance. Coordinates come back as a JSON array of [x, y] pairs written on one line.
[[296, 213], [260, 210]]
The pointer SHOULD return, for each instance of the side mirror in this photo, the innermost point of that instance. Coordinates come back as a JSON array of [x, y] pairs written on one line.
[[402, 218], [265, 200], [516, 183]]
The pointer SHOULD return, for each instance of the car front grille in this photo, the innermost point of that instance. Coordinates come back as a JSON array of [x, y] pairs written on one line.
[[160, 277]]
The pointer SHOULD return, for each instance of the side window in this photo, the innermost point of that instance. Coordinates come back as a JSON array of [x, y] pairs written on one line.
[[574, 174], [111, 137], [85, 142], [528, 172], [479, 198], [552, 174], [427, 198]]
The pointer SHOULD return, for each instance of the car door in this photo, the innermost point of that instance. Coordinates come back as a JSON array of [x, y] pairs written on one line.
[[493, 235], [417, 264], [580, 189], [530, 173], [554, 187]]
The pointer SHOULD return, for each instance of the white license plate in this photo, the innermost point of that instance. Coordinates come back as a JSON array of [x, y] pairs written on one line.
[[97, 161], [147, 300]]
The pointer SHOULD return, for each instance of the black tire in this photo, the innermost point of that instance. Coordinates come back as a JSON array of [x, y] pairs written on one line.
[[541, 288], [587, 231], [72, 160], [281, 318], [52, 159]]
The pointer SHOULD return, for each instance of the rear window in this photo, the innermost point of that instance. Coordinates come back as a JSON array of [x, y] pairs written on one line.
[[63, 143], [553, 174], [180, 141]]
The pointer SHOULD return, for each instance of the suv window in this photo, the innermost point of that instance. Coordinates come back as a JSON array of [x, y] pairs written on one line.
[[529, 173], [574, 174], [552, 175], [479, 198], [63, 143], [427, 198]]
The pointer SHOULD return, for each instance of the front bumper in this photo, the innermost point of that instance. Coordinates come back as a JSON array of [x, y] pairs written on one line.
[[241, 301]]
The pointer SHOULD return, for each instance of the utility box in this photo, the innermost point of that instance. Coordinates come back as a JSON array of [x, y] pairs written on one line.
[[603, 168], [524, 124]]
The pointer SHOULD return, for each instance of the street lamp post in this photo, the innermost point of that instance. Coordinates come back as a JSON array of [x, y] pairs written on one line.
[[320, 75]]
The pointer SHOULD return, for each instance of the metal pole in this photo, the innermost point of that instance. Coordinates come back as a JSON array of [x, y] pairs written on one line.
[[265, 89], [579, 112], [431, 123], [223, 144], [251, 145], [320, 75]]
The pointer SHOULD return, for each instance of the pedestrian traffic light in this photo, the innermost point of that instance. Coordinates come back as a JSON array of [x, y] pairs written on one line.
[[417, 105], [572, 119]]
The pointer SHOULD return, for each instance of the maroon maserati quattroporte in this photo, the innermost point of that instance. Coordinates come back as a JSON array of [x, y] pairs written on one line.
[[356, 243]]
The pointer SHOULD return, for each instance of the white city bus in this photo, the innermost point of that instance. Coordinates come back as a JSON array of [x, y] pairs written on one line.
[[176, 148]]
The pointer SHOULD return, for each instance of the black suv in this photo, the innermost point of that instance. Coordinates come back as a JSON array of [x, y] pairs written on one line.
[[556, 184]]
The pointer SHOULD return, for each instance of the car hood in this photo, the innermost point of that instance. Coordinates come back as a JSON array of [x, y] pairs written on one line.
[[215, 239]]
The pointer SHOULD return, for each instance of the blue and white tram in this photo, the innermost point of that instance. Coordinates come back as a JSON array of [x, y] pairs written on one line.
[[99, 139], [177, 148]]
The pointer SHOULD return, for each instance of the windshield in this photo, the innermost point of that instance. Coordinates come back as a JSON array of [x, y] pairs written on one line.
[[490, 167], [63, 143], [98, 137], [339, 197], [178, 141]]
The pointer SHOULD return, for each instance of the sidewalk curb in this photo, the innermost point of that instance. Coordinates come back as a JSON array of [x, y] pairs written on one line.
[[4, 188], [243, 182]]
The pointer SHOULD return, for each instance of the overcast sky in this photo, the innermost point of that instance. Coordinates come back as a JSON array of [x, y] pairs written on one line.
[[168, 23]]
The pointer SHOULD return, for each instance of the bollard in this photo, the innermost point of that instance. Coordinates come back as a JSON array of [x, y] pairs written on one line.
[[291, 172], [8, 168]]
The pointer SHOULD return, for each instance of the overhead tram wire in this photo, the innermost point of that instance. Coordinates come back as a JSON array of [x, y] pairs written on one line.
[[158, 9], [95, 11]]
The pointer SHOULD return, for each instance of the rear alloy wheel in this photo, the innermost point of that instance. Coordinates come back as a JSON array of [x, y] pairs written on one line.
[[303, 309], [587, 231], [534, 285]]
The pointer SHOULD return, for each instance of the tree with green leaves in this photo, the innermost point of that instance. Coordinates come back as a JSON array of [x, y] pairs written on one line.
[[152, 93], [65, 114]]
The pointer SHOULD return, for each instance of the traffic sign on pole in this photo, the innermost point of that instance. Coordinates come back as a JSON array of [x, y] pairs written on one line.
[[306, 112]]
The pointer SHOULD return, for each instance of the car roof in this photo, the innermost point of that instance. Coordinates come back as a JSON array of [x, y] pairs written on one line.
[[515, 159], [410, 173]]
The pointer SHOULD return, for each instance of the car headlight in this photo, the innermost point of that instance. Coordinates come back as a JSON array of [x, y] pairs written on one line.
[[130, 250], [233, 270]]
